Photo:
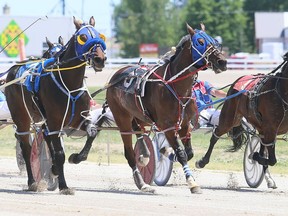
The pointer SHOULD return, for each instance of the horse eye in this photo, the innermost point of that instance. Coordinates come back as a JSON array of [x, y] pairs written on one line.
[[201, 41], [81, 39]]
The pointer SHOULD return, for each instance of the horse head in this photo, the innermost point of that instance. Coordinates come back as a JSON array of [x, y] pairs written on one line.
[[206, 50], [53, 48], [90, 44]]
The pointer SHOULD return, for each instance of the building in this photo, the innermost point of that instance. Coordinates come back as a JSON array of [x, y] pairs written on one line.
[[271, 32], [34, 36]]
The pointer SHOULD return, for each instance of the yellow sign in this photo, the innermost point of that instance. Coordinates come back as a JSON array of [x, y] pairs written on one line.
[[8, 35]]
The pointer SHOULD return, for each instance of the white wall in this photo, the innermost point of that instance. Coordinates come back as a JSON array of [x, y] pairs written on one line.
[[52, 28], [270, 24]]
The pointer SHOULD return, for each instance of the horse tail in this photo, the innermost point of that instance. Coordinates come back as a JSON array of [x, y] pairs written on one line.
[[239, 137]]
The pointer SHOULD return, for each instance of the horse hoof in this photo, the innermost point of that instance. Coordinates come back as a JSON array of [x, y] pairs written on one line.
[[148, 189], [271, 184], [143, 161], [67, 191], [42, 186], [199, 164], [73, 159], [196, 190], [33, 187]]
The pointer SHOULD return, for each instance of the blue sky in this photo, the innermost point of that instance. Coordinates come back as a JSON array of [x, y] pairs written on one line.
[[84, 9]]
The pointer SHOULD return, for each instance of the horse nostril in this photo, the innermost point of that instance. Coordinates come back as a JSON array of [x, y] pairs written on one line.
[[98, 59], [222, 62]]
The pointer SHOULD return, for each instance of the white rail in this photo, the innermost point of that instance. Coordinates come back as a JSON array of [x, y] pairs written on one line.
[[241, 64]]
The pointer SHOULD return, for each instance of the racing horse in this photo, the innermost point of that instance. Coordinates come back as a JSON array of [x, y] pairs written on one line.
[[53, 48], [264, 104], [161, 96], [52, 94]]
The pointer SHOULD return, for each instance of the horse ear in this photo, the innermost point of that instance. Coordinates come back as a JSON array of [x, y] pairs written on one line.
[[76, 23], [190, 30], [202, 26], [61, 41], [92, 21], [49, 43]]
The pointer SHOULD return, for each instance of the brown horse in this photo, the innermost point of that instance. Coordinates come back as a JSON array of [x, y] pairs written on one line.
[[54, 96], [161, 96], [264, 105]]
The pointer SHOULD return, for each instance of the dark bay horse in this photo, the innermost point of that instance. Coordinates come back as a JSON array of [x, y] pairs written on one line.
[[161, 96], [53, 48], [264, 106], [52, 94]]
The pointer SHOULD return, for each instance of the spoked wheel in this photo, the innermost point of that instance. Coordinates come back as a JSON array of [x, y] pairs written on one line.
[[253, 171], [147, 172], [163, 165]]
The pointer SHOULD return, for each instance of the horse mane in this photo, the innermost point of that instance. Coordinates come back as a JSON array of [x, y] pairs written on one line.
[[179, 47]]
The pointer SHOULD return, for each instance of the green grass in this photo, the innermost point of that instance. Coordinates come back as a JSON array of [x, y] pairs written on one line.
[[220, 159]]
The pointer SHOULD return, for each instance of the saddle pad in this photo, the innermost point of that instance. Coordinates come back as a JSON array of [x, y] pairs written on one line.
[[132, 76], [247, 82], [32, 82]]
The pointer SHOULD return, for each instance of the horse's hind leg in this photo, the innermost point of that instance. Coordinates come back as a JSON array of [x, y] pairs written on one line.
[[124, 122], [143, 159], [26, 151], [91, 135]]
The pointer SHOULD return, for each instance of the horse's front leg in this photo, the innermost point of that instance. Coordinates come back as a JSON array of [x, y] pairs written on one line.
[[185, 137], [269, 180], [182, 159], [260, 156], [58, 160], [92, 131], [205, 160]]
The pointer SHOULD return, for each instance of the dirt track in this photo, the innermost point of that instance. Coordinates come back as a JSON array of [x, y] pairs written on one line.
[[110, 190]]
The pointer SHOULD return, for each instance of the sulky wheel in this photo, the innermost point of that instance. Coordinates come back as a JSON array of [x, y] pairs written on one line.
[[148, 171], [253, 171], [163, 165]]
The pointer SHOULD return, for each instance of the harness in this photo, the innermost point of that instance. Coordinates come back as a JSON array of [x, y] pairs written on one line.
[[84, 51], [200, 57]]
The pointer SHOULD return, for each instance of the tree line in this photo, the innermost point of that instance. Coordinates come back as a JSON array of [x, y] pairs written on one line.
[[164, 22]]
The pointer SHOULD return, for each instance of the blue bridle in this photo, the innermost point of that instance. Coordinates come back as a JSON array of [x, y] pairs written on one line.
[[199, 50]]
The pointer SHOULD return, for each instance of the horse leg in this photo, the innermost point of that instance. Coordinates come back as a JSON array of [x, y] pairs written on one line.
[[58, 160], [124, 122], [143, 159], [185, 138], [26, 151], [269, 180], [205, 160], [259, 156], [182, 159], [91, 135], [229, 117]]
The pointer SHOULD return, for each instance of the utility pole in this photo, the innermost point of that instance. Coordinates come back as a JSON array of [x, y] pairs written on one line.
[[63, 7]]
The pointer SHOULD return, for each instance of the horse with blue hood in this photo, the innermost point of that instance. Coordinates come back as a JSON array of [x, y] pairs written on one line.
[[51, 93]]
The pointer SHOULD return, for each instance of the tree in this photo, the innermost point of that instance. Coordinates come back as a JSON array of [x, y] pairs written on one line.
[[144, 21], [223, 18]]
